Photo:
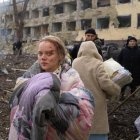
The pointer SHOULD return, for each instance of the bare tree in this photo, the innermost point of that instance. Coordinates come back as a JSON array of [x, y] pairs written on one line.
[[19, 17]]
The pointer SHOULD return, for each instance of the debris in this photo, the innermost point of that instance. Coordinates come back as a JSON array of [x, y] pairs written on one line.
[[18, 69], [7, 83], [4, 71], [131, 95], [2, 55]]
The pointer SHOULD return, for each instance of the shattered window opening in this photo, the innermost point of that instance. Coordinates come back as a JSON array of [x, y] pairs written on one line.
[[2, 32], [27, 31], [71, 26], [103, 3], [9, 18], [5, 32], [45, 12], [8, 31], [37, 31], [138, 20], [35, 13], [57, 27], [85, 24], [86, 4], [71, 6], [27, 15], [124, 1], [124, 21], [103, 23], [45, 29], [59, 8]]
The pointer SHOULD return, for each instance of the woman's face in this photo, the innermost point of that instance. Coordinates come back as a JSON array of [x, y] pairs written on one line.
[[48, 56]]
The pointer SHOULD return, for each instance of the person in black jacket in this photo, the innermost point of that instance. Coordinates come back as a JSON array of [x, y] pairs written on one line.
[[17, 48], [90, 35], [129, 58]]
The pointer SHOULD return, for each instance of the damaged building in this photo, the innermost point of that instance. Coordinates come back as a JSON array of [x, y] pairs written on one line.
[[114, 20]]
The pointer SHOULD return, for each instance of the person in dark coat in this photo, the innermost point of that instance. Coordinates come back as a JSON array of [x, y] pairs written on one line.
[[129, 58], [90, 35], [17, 47]]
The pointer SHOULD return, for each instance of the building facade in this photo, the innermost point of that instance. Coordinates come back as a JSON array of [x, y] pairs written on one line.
[[113, 19]]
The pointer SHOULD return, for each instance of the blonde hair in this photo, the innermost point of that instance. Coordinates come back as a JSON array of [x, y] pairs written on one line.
[[58, 43]]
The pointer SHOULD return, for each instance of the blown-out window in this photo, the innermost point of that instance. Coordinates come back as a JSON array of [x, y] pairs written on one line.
[[103, 3], [70, 6], [35, 13], [45, 12], [85, 24], [71, 26], [86, 4], [57, 27], [124, 1], [59, 9], [124, 21], [138, 21], [103, 23]]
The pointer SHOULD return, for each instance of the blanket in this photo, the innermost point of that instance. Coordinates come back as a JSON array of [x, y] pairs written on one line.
[[39, 112]]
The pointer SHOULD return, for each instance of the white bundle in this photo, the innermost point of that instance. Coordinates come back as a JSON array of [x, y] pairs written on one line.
[[122, 77], [137, 124], [117, 73]]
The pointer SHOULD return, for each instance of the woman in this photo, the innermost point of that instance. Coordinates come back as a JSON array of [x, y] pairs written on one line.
[[52, 102], [129, 58], [89, 65]]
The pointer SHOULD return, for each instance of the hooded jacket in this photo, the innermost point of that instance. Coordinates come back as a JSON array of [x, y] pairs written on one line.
[[98, 44], [89, 64]]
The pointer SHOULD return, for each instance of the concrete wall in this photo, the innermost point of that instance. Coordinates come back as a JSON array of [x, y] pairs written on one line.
[[112, 33]]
